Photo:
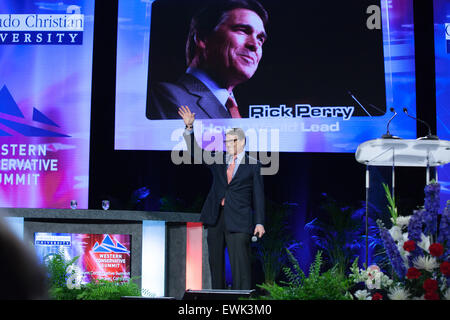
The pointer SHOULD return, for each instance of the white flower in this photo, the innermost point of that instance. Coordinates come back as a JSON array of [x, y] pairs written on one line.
[[363, 275], [362, 295], [447, 294], [403, 221], [75, 278], [373, 277], [373, 267], [359, 275], [426, 263], [373, 283], [424, 243], [396, 233], [398, 293], [385, 281]]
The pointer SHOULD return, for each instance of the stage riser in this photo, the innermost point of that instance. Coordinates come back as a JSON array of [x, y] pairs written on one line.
[[165, 247]]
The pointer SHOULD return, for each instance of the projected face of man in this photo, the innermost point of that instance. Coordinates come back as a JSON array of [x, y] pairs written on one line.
[[233, 51]]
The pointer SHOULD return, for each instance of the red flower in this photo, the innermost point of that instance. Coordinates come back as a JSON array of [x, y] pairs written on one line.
[[409, 245], [430, 285], [431, 296], [436, 249], [445, 268], [377, 296], [413, 273]]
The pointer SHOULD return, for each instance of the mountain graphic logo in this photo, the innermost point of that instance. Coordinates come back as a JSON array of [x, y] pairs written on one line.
[[12, 117], [108, 246]]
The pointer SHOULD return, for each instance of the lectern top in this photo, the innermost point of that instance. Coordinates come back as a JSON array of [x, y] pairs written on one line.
[[404, 153]]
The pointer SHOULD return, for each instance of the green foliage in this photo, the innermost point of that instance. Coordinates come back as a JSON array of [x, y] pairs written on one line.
[[108, 290], [391, 204], [64, 293], [57, 271], [270, 250], [295, 274], [354, 271], [329, 285], [57, 268], [338, 233], [58, 276]]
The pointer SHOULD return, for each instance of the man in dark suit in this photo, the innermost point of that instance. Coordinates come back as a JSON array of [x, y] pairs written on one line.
[[234, 207], [223, 50]]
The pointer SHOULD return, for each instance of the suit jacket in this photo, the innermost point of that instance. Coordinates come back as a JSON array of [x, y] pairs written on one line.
[[244, 196], [165, 99]]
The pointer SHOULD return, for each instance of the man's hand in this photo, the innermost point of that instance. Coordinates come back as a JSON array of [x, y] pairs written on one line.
[[259, 230], [187, 115]]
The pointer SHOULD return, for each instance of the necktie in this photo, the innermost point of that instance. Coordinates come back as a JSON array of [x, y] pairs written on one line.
[[230, 171], [232, 107]]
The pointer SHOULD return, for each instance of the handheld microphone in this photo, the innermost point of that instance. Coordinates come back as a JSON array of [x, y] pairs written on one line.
[[427, 137], [254, 238], [388, 135]]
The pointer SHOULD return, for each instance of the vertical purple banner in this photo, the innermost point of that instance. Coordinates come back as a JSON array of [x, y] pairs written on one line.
[[45, 102]]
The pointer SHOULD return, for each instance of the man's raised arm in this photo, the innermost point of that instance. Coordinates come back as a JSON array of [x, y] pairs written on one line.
[[194, 149]]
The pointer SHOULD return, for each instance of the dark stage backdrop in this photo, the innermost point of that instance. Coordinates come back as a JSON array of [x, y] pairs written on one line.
[[302, 178]]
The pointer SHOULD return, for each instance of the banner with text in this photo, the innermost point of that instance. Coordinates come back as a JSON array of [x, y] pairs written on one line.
[[100, 256], [45, 102]]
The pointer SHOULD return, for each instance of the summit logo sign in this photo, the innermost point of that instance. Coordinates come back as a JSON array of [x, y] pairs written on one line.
[[112, 259], [108, 246], [42, 29], [14, 123]]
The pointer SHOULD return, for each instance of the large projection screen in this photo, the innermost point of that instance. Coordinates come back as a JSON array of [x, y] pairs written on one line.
[[329, 75], [442, 49]]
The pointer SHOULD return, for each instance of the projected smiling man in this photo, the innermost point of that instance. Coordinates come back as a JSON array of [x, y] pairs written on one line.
[[223, 49], [234, 209]]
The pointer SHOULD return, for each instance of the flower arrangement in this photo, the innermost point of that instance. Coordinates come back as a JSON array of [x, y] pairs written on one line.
[[418, 248], [374, 280]]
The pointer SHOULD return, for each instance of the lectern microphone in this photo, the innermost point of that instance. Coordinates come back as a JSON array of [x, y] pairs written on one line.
[[427, 137], [354, 98], [388, 135], [362, 107]]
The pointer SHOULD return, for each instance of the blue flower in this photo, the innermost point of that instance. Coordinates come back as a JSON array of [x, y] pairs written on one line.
[[432, 205], [393, 253], [415, 226], [444, 229]]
